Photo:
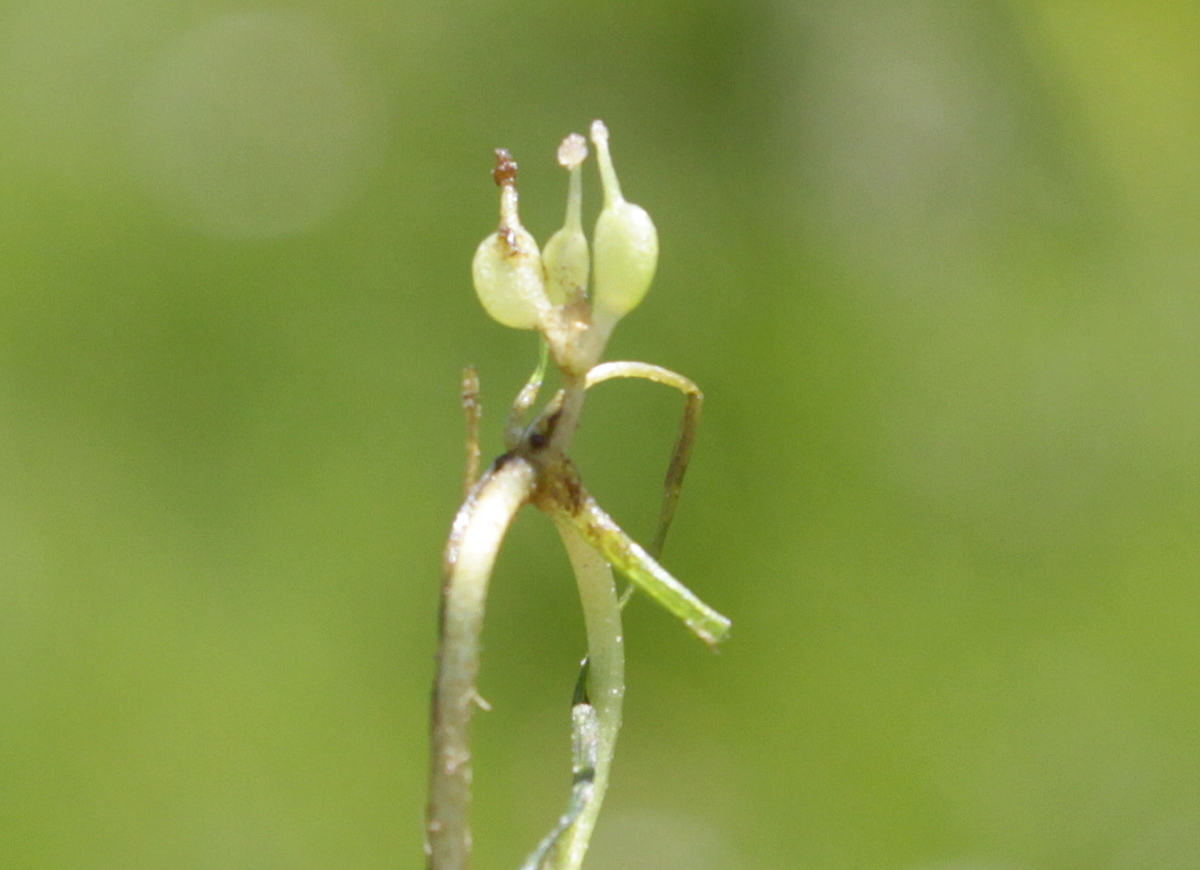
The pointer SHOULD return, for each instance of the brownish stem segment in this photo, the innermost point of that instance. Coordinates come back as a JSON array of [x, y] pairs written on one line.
[[479, 528], [473, 413], [687, 430]]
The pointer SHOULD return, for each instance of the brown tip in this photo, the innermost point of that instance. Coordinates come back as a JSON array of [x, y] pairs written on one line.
[[506, 168]]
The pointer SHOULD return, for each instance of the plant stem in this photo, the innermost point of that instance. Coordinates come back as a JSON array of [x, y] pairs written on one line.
[[479, 528], [574, 390], [598, 529], [605, 679]]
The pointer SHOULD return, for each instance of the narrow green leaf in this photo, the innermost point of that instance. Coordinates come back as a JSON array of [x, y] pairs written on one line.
[[585, 751], [628, 557]]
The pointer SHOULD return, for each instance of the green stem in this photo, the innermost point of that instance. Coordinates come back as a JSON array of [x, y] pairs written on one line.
[[601, 531], [606, 678]]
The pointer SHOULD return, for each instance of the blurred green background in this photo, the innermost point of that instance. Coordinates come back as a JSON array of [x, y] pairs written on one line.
[[935, 264]]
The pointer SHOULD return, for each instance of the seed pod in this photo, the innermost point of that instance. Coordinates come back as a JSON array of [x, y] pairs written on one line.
[[566, 253], [625, 243], [507, 269]]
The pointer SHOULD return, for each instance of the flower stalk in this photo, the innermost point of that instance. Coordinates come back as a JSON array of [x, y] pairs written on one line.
[[479, 528], [548, 290]]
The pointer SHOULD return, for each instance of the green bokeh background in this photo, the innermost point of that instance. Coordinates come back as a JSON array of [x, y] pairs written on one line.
[[934, 263]]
